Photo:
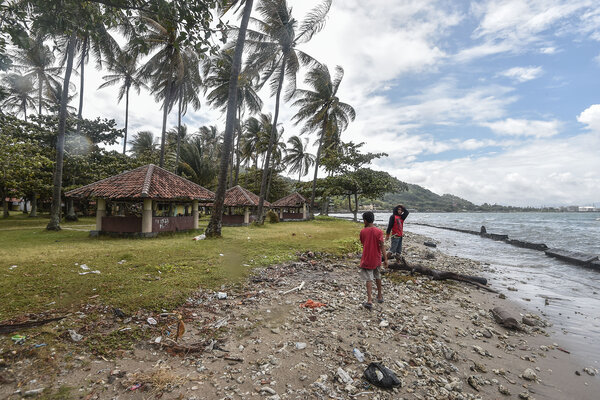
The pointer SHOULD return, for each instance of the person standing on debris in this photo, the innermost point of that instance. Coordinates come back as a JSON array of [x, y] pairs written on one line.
[[371, 238], [396, 228]]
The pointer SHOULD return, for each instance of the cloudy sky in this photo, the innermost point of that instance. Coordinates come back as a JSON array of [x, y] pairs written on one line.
[[493, 101]]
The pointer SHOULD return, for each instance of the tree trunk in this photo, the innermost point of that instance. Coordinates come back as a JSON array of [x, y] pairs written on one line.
[[54, 223], [126, 118], [317, 160], [5, 212], [265, 175], [33, 212], [237, 148], [25, 110], [81, 81], [40, 91], [25, 205], [71, 216], [164, 123], [271, 168], [178, 133], [355, 207], [214, 226]]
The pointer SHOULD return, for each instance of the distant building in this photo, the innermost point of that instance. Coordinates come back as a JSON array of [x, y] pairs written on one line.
[[587, 209]]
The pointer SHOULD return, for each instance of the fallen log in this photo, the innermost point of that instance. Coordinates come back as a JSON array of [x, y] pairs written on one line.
[[8, 328], [503, 318], [437, 275]]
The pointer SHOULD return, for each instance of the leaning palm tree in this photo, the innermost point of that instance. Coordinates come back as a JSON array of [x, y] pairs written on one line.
[[274, 53], [36, 60], [214, 226], [20, 90], [123, 68], [143, 143], [297, 158], [218, 72], [322, 111]]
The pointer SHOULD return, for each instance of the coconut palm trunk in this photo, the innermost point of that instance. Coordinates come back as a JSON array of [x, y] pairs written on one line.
[[126, 118], [164, 123], [214, 226], [81, 82], [237, 147], [318, 158], [265, 175], [40, 91], [55, 208], [33, 211], [178, 133]]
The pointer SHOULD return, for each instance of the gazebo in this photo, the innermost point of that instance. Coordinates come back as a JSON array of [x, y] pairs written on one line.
[[291, 207], [144, 202], [242, 206]]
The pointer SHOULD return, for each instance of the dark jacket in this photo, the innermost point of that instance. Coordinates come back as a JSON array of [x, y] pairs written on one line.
[[395, 212]]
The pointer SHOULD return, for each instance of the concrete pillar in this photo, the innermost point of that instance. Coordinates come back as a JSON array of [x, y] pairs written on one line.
[[281, 213], [304, 211], [195, 213], [100, 213], [147, 216], [246, 215]]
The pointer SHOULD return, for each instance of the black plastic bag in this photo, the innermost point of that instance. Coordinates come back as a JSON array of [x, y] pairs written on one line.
[[381, 376]]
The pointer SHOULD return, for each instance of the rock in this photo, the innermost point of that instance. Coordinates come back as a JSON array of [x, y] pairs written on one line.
[[430, 244], [300, 345], [529, 375], [33, 392], [524, 395], [590, 371], [343, 375], [503, 390], [266, 389]]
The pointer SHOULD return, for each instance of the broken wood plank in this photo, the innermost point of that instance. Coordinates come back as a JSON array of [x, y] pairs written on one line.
[[8, 328]]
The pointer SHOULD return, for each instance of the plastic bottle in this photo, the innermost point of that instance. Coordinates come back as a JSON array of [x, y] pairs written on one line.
[[359, 356]]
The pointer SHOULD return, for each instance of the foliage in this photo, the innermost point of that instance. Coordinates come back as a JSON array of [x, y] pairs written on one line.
[[280, 186], [272, 217]]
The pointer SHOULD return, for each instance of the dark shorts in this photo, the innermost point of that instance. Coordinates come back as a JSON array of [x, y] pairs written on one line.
[[396, 246]]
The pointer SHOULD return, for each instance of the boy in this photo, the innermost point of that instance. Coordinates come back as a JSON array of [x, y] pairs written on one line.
[[371, 238], [395, 227]]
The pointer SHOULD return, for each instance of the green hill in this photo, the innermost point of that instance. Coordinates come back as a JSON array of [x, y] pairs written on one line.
[[421, 199]]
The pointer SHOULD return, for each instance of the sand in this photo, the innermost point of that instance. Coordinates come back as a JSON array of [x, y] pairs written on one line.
[[437, 336]]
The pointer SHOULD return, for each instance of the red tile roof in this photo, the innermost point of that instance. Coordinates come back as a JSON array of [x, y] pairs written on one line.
[[237, 196], [293, 200], [149, 181]]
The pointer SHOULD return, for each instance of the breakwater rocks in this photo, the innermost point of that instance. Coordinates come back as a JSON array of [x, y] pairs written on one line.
[[572, 257]]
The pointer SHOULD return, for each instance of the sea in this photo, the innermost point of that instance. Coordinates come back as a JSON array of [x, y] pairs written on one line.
[[573, 292]]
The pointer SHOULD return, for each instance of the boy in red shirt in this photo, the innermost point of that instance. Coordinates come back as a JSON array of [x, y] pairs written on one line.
[[371, 238]]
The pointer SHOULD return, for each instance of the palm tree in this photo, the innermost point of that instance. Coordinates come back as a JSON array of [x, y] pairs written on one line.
[[142, 143], [166, 67], [321, 110], [214, 226], [274, 53], [36, 60], [198, 162], [297, 158], [20, 90], [123, 70], [217, 73]]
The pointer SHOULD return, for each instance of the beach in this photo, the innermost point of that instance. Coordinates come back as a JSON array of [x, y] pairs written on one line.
[[255, 341]]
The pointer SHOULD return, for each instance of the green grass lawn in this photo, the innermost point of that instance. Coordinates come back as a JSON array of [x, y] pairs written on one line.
[[157, 273]]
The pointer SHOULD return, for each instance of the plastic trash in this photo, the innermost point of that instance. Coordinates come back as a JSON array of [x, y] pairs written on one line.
[[19, 339], [151, 321], [90, 272], [200, 237], [84, 267], [221, 295], [12, 267], [76, 337], [300, 345], [381, 376], [359, 355]]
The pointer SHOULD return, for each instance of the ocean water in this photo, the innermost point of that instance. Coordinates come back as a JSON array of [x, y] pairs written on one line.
[[573, 292]]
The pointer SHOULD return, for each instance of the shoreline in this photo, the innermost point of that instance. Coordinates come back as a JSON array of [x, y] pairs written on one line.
[[437, 336]]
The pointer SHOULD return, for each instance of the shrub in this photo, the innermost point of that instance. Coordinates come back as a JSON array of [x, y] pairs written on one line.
[[272, 217]]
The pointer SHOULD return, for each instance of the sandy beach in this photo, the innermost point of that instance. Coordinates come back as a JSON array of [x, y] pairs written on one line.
[[257, 342]]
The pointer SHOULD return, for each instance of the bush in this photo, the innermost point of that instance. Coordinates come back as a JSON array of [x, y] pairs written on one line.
[[272, 217]]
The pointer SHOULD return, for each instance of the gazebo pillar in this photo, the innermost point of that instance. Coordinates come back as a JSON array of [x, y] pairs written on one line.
[[281, 213], [303, 210], [246, 215], [195, 213], [100, 213], [147, 216]]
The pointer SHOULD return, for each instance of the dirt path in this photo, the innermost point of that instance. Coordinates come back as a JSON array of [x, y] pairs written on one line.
[[438, 337]]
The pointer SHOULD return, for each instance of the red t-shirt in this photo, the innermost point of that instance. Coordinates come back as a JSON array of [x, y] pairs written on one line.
[[371, 238]]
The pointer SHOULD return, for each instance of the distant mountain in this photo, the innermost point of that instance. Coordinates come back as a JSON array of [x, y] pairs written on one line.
[[421, 199]]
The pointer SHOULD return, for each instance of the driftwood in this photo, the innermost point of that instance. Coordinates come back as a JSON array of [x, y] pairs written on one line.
[[437, 275], [503, 318], [8, 328]]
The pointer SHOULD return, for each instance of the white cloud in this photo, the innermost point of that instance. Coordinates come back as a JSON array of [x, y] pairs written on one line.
[[545, 172], [591, 117], [523, 74], [524, 127]]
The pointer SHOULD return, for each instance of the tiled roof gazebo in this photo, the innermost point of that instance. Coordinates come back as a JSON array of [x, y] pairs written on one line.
[[166, 199], [291, 207], [240, 198]]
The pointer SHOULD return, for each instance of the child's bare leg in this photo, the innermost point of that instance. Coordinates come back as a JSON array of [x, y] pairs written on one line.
[[369, 291], [379, 293]]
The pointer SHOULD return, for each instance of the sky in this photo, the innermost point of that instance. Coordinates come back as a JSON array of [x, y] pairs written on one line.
[[492, 101]]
